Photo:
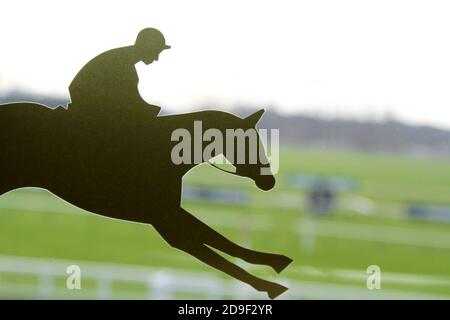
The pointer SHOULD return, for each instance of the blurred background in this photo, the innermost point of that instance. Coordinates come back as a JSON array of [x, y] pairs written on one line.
[[359, 91]]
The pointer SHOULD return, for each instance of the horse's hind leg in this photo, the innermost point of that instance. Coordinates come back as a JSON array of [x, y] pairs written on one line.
[[181, 238], [214, 239]]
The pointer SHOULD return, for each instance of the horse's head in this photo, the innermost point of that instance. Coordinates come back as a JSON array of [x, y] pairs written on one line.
[[218, 133], [249, 155]]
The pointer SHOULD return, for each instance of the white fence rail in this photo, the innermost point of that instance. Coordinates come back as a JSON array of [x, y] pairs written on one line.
[[33, 278], [46, 279]]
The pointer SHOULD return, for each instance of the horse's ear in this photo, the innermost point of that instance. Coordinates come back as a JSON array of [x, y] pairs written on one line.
[[254, 117]]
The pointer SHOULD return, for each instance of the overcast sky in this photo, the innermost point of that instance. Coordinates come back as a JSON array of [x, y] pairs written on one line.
[[358, 58]]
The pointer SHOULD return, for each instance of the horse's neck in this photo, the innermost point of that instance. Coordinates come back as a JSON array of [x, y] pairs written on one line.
[[197, 123], [209, 120], [219, 122]]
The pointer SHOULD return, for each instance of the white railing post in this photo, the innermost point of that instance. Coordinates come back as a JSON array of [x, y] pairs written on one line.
[[159, 286], [45, 286], [104, 287]]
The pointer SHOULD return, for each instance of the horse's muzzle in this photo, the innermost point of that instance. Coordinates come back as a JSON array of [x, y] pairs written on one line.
[[265, 182]]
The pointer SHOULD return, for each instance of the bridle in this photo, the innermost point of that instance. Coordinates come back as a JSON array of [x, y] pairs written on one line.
[[226, 171]]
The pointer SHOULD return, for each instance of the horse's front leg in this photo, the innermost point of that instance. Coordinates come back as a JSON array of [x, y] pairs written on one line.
[[185, 232], [210, 257], [214, 239]]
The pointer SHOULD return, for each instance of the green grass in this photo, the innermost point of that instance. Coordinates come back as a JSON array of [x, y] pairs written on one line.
[[385, 177], [39, 225]]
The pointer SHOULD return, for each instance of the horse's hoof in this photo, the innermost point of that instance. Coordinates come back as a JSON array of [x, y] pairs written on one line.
[[282, 263], [277, 290]]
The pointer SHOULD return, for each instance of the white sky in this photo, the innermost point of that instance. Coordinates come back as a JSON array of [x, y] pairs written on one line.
[[358, 58]]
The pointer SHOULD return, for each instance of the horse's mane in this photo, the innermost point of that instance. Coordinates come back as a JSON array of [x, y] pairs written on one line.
[[211, 118], [202, 114]]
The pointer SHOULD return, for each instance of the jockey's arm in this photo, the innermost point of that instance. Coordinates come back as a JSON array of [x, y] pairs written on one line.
[[154, 110]]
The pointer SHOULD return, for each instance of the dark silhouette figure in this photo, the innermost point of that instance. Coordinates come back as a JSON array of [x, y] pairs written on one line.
[[122, 168], [322, 198], [106, 87]]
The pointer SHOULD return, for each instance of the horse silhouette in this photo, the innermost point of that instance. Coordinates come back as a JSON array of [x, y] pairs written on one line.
[[122, 168]]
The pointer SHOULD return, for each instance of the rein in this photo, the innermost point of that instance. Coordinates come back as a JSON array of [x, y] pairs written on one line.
[[226, 171]]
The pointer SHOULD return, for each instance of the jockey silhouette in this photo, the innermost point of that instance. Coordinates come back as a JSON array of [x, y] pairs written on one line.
[[106, 88]]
